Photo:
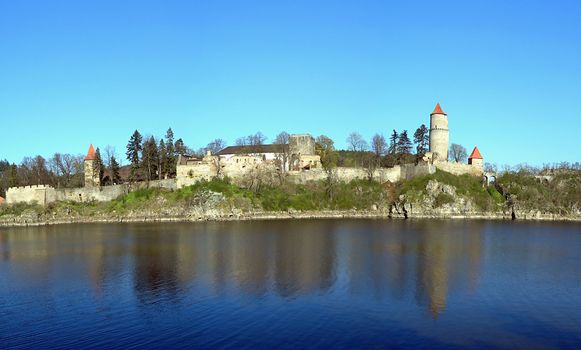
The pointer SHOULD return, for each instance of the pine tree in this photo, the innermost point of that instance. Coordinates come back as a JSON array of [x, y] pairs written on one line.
[[98, 166], [133, 149], [422, 140], [180, 147], [150, 158], [114, 169], [13, 179], [393, 140], [170, 152], [404, 145], [163, 161]]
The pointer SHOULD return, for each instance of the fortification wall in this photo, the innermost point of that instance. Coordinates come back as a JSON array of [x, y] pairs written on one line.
[[40, 194], [88, 194], [459, 168], [345, 174]]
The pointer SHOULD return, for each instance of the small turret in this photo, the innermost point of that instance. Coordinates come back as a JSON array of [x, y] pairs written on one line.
[[476, 159]]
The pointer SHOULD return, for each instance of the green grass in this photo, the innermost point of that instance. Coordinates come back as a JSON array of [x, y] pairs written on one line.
[[468, 186]]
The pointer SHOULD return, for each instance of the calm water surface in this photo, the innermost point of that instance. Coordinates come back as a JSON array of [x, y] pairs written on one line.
[[292, 284]]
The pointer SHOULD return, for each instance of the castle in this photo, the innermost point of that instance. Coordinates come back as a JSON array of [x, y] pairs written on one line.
[[296, 161]]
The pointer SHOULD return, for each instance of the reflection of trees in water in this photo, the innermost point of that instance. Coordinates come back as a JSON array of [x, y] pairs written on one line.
[[155, 264], [304, 257]]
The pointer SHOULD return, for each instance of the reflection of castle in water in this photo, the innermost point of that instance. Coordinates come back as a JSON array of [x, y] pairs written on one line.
[[423, 261]]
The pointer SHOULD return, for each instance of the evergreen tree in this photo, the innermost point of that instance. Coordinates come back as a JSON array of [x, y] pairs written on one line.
[[13, 178], [404, 145], [163, 161], [180, 147], [422, 140], [393, 140], [170, 153], [150, 158], [133, 149], [114, 169], [98, 166]]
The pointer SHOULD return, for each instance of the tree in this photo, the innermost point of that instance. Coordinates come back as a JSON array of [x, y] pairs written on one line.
[[134, 148], [356, 142], [251, 140], [13, 177], [180, 148], [393, 140], [150, 158], [216, 146], [404, 145], [325, 148], [282, 157], [98, 166], [422, 140], [170, 154], [378, 145], [458, 152], [162, 165], [114, 171]]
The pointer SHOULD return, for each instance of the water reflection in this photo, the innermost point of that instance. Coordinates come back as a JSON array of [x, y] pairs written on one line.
[[375, 258], [326, 281]]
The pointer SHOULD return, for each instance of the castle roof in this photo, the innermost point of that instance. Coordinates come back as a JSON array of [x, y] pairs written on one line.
[[91, 155], [257, 149], [475, 154], [438, 110]]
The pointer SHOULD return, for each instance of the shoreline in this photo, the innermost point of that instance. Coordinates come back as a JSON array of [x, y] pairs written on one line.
[[255, 216]]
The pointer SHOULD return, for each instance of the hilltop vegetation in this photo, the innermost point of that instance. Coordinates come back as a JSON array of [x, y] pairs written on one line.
[[438, 194]]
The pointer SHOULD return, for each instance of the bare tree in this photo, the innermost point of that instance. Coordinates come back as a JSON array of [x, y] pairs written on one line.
[[458, 153], [356, 142], [378, 145], [215, 146], [282, 157]]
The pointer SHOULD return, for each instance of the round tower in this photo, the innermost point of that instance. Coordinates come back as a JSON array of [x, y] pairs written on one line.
[[439, 133]]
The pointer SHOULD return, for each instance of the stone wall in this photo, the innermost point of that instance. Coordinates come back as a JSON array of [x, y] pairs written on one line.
[[41, 194], [459, 168], [44, 195]]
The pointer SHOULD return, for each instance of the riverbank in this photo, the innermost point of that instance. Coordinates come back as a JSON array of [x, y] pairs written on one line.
[[271, 215]]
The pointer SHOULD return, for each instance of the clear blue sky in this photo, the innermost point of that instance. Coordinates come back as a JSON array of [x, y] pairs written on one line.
[[508, 73]]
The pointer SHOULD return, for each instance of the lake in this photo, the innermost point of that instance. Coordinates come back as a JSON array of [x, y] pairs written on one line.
[[286, 284]]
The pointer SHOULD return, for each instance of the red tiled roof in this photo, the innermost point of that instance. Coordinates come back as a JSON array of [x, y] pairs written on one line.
[[91, 154], [475, 154], [438, 110]]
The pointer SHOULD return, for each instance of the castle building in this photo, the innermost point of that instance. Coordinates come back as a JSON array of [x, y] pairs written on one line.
[[91, 172], [439, 133]]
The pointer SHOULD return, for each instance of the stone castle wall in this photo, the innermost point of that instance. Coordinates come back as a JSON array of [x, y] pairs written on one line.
[[44, 194], [459, 168]]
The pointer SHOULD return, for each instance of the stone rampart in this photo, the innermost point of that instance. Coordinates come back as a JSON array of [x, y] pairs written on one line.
[[459, 168], [39, 194]]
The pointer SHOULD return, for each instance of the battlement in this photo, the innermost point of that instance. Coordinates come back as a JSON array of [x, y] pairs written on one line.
[[33, 187]]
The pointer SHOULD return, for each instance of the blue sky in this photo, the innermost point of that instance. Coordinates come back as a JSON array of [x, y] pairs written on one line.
[[508, 73]]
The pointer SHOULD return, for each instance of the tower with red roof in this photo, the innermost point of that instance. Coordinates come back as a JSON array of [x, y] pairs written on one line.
[[91, 172], [439, 133], [475, 159]]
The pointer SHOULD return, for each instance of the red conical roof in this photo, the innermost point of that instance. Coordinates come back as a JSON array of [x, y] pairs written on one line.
[[475, 154], [438, 110], [91, 154]]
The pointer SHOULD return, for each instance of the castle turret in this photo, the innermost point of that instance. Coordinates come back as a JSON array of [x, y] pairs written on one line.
[[439, 133], [91, 172], [476, 159]]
